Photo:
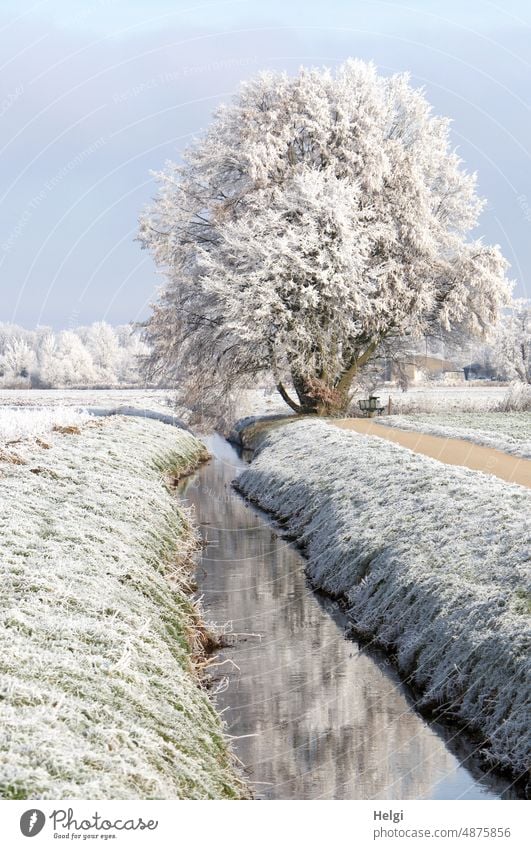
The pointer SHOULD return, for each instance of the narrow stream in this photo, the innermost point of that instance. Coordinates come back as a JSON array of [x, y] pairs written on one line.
[[312, 715]]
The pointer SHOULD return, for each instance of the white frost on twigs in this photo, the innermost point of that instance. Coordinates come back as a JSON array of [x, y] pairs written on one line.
[[433, 561]]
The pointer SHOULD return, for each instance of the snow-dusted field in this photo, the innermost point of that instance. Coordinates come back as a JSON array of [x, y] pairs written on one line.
[[509, 432], [436, 398], [432, 560], [98, 693], [151, 399]]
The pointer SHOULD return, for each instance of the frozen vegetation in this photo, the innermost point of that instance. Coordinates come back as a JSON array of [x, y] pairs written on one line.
[[432, 561], [254, 401], [509, 432], [99, 690], [149, 399], [97, 355]]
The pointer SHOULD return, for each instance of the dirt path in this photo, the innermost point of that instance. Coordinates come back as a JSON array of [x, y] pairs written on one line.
[[454, 452]]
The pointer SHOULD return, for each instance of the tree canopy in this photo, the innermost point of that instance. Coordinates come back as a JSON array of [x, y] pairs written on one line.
[[316, 218]]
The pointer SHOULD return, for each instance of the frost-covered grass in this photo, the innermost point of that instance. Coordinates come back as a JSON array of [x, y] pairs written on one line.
[[22, 423], [99, 691], [509, 432], [432, 398], [432, 560]]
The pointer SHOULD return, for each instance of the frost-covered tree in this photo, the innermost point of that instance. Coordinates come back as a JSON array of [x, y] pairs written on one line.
[[512, 342], [16, 355], [316, 217]]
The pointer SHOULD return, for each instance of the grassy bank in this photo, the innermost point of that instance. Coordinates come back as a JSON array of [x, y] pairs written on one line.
[[431, 560], [99, 691]]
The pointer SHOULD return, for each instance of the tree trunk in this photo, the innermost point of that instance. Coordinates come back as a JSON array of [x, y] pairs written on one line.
[[316, 397]]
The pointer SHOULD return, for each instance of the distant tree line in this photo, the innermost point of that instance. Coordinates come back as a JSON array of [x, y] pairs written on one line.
[[97, 355], [506, 352]]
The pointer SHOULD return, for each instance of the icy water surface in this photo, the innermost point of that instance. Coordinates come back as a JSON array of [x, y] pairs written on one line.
[[312, 714]]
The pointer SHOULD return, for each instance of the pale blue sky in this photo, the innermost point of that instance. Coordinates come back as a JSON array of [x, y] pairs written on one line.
[[95, 94]]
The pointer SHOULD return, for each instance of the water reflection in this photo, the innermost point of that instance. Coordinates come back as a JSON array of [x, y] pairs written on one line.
[[312, 714]]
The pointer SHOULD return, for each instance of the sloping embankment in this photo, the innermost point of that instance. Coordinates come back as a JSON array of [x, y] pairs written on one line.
[[99, 692], [432, 561]]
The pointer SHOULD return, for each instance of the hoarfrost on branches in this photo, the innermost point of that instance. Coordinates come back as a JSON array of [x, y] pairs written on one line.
[[98, 355], [23, 423], [98, 694], [505, 431]]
